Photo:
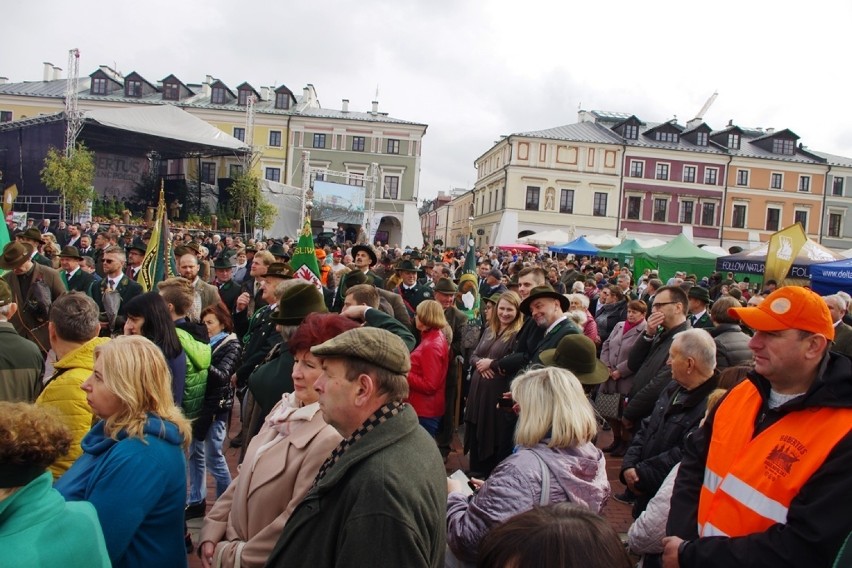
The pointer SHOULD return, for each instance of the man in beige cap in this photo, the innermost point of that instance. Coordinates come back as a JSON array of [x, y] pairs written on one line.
[[21, 363], [371, 498], [34, 288]]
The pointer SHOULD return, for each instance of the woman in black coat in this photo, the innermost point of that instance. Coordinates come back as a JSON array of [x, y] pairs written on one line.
[[613, 310]]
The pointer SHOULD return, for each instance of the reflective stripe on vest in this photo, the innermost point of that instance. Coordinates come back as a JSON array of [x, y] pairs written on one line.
[[750, 481]]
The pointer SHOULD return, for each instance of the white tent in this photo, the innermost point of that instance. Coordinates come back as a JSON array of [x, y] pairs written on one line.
[[554, 236], [650, 243], [603, 241], [288, 200], [717, 250]]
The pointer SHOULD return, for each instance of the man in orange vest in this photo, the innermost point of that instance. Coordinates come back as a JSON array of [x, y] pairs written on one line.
[[765, 482]]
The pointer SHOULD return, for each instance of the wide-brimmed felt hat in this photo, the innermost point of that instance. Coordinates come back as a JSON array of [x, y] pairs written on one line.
[[189, 248], [279, 270], [32, 234], [445, 286], [70, 252], [297, 302], [15, 254], [544, 292], [371, 344], [699, 293], [369, 250], [278, 251], [137, 244], [493, 298], [357, 277], [406, 266], [790, 307], [223, 261], [578, 354]]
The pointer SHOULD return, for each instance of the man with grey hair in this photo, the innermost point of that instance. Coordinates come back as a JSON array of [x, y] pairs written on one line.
[[73, 330], [114, 291], [842, 331], [21, 362], [658, 443], [370, 499]]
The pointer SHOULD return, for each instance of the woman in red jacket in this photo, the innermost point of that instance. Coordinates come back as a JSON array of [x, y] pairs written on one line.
[[429, 362]]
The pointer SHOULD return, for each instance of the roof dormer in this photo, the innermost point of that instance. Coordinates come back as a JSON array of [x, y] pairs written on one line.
[[284, 98], [698, 135], [220, 94], [628, 128], [244, 91], [174, 89], [136, 86], [730, 137], [665, 132], [782, 142], [103, 83]]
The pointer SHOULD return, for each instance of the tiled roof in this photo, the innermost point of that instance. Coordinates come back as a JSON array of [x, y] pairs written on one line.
[[351, 115], [834, 159]]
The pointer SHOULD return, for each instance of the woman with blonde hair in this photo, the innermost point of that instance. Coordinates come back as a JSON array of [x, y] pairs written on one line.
[[486, 427], [133, 468], [555, 461], [429, 362]]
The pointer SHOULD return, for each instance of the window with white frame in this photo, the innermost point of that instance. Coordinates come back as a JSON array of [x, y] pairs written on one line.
[[235, 171], [566, 201], [805, 184], [776, 181], [392, 146], [391, 189], [637, 168], [835, 225], [738, 218], [208, 172], [662, 171], [711, 176], [784, 146], [599, 206], [773, 218], [661, 205], [634, 207], [687, 212], [631, 132], [701, 139], [708, 214], [5, 116], [689, 174], [533, 194], [99, 85], [240, 133], [836, 186], [275, 138], [319, 141], [273, 174], [358, 143], [734, 141], [801, 216], [742, 177]]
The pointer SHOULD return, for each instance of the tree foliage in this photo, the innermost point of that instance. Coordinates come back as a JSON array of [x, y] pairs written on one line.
[[71, 176], [248, 202]]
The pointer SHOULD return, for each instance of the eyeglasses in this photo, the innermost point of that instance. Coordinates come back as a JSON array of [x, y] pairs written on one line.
[[661, 304]]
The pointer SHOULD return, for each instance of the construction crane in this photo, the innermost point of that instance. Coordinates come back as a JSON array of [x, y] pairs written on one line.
[[74, 120], [249, 134], [703, 111]]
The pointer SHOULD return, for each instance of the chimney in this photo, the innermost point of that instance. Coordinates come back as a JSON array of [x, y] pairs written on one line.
[[4, 80], [585, 116], [375, 110], [264, 93], [306, 92], [48, 71], [693, 123], [770, 131], [57, 73], [344, 106], [205, 86]]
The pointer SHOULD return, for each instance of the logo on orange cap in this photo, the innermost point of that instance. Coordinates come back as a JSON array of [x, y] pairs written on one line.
[[790, 307]]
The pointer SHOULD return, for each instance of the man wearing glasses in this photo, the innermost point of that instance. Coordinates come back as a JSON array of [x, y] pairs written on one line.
[[649, 356], [116, 286]]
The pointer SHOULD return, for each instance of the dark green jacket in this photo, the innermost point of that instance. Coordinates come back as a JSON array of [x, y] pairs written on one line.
[[21, 366], [375, 507], [198, 357]]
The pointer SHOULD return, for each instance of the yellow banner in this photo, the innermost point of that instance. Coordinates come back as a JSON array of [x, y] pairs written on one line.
[[784, 247], [9, 197]]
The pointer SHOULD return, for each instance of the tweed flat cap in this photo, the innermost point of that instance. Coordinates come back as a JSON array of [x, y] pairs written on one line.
[[371, 344]]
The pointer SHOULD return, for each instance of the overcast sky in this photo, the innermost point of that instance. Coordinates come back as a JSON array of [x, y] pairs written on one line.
[[476, 70]]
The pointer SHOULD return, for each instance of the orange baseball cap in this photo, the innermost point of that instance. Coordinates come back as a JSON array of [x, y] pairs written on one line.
[[790, 307]]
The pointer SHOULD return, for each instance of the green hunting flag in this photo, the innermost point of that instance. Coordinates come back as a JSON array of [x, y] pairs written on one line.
[[468, 294], [159, 261], [304, 259]]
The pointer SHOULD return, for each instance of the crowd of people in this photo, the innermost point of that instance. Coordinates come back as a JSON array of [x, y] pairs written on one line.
[[729, 403]]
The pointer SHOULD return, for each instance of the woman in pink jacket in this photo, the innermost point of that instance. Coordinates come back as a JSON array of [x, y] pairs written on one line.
[[614, 355], [429, 362]]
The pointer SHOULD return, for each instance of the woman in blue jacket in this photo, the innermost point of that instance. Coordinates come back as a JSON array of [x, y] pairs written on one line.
[[133, 468]]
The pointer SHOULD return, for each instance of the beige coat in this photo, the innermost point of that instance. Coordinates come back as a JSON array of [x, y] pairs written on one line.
[[257, 504]]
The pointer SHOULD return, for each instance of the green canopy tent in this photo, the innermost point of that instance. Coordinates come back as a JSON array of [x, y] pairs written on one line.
[[627, 249], [679, 254]]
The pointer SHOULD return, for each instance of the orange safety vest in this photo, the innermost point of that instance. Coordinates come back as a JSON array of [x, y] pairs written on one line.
[[750, 481]]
